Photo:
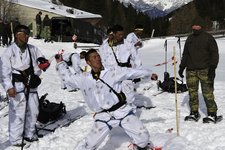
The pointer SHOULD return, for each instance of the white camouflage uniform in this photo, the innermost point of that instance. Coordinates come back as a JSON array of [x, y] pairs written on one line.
[[123, 52], [98, 97], [78, 66], [75, 67], [133, 39], [12, 60]]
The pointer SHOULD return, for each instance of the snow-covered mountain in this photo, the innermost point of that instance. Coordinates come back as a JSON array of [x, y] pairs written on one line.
[[155, 8]]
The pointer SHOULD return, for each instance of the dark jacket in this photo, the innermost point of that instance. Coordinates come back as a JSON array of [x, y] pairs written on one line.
[[38, 19], [15, 24], [200, 52], [2, 28], [8, 30], [46, 21]]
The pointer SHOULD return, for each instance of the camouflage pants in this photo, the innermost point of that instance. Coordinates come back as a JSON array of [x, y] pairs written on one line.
[[193, 79], [47, 33], [38, 30]]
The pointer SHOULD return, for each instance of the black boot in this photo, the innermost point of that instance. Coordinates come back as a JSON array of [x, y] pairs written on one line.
[[19, 144], [194, 116], [212, 117], [139, 148], [32, 139]]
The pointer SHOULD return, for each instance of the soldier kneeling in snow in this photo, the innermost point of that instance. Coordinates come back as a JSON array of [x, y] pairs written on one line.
[[102, 91]]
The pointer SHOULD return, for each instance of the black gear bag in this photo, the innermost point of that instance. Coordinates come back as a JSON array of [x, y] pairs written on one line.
[[168, 85], [49, 111]]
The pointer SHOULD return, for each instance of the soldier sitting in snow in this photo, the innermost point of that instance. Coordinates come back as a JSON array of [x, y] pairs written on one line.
[[77, 66]]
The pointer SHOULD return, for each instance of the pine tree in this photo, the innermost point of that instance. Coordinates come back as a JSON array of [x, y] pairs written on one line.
[[182, 20]]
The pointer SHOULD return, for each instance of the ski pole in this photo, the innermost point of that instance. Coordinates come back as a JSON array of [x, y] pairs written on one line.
[[165, 46], [27, 92], [179, 44], [175, 80]]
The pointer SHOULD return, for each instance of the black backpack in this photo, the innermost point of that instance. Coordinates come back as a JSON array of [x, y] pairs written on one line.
[[49, 111], [168, 84], [69, 62]]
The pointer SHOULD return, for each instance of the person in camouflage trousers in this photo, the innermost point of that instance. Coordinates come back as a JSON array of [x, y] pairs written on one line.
[[200, 58], [47, 28], [193, 77]]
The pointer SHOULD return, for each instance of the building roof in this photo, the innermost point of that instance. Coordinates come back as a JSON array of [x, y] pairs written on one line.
[[46, 5]]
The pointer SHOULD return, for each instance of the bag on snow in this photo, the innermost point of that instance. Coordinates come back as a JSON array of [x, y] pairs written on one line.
[[168, 84], [49, 111]]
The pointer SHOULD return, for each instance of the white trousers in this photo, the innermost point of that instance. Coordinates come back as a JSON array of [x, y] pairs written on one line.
[[66, 86], [17, 114], [101, 128], [137, 99]]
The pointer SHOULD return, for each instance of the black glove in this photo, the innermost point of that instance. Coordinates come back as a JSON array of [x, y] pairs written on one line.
[[212, 73], [180, 72], [42, 60]]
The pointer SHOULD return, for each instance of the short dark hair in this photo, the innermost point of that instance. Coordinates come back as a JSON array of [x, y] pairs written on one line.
[[116, 28], [138, 27], [90, 51], [109, 31], [82, 54], [22, 28]]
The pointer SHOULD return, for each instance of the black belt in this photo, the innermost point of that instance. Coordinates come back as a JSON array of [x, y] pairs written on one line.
[[19, 78], [115, 107], [124, 64]]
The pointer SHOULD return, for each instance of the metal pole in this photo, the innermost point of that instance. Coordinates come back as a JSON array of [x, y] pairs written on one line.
[[178, 41], [27, 92], [179, 44], [165, 46]]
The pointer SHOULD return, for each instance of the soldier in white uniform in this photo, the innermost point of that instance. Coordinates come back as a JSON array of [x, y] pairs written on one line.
[[103, 93], [109, 36], [77, 65], [134, 37], [16, 71], [120, 52]]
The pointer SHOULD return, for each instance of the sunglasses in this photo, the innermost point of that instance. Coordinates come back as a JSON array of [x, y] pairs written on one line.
[[26, 31]]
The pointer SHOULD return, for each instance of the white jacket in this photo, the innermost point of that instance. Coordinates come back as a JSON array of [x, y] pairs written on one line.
[[77, 64], [98, 95], [132, 38], [122, 52], [75, 59], [13, 59]]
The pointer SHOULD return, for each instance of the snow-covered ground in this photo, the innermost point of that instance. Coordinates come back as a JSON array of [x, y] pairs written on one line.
[[192, 135]]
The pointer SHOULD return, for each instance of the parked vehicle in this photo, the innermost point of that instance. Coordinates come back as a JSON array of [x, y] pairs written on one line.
[[63, 28]]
